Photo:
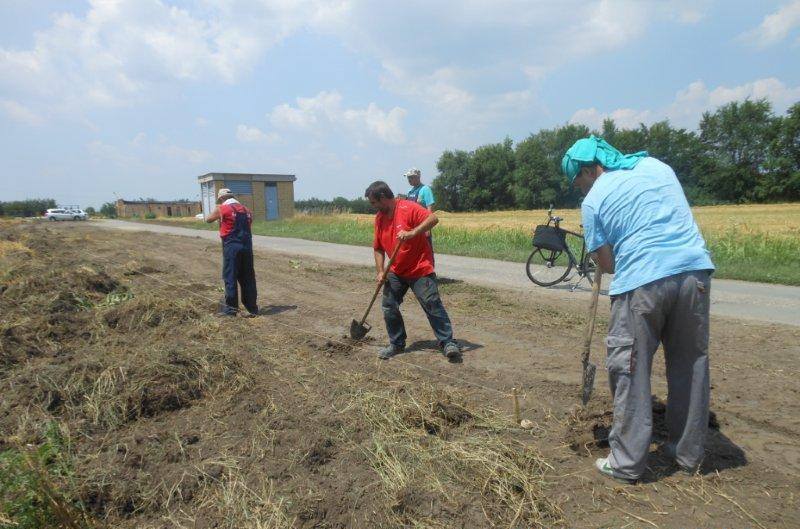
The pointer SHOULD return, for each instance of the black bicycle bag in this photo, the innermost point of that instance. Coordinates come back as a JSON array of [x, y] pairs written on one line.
[[550, 238]]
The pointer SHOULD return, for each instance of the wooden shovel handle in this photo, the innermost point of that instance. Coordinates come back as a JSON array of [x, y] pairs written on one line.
[[382, 281], [587, 338]]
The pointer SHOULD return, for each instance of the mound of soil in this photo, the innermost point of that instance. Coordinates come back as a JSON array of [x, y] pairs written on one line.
[[587, 430], [148, 312], [438, 417]]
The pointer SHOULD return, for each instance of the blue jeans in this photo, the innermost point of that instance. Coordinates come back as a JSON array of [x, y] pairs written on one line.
[[237, 267], [427, 293]]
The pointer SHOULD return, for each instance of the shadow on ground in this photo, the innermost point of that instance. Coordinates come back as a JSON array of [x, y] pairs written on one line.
[[588, 435], [270, 310]]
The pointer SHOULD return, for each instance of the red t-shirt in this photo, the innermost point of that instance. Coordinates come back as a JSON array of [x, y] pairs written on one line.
[[415, 257], [227, 217]]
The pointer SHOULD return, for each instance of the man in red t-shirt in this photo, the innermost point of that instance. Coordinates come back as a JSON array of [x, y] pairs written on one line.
[[405, 223]]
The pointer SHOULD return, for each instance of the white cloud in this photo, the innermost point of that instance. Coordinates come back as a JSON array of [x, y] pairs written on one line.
[[690, 103], [442, 53], [387, 126], [20, 113], [184, 155], [325, 110], [141, 152], [254, 134], [775, 27], [121, 51]]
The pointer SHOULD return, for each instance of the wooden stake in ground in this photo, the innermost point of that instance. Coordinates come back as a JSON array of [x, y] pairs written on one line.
[[516, 405]]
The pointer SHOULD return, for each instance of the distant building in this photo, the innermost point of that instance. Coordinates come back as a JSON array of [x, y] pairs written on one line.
[[140, 208], [269, 196]]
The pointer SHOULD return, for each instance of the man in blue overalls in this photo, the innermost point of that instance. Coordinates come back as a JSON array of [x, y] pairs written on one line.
[[235, 221], [421, 194]]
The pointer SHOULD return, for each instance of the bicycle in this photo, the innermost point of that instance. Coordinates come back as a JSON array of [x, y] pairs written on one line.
[[552, 259]]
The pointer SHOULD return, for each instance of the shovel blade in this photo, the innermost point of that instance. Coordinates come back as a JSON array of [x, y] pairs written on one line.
[[358, 330], [589, 370]]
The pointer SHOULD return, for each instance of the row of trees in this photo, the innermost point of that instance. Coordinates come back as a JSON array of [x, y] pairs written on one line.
[[742, 152], [318, 206], [26, 208], [35, 207]]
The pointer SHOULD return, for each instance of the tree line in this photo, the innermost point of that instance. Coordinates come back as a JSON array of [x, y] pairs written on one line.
[[26, 208], [742, 152]]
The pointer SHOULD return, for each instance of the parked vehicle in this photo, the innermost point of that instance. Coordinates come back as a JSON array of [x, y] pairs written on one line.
[[54, 214]]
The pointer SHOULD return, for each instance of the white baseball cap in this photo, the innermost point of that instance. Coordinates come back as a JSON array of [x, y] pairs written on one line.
[[413, 172], [223, 192]]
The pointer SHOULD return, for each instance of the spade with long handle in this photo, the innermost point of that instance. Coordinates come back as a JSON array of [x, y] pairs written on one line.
[[590, 369], [359, 329]]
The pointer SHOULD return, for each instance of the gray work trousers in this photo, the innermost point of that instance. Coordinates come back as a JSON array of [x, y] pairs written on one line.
[[673, 311]]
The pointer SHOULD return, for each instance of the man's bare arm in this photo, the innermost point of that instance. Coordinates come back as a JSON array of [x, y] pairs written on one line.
[[431, 221], [214, 216], [604, 256], [379, 258]]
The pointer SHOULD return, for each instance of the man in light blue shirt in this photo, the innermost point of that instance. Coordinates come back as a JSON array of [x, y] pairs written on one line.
[[638, 224], [421, 194]]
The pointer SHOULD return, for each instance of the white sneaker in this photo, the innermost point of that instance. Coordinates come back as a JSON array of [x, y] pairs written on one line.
[[605, 469]]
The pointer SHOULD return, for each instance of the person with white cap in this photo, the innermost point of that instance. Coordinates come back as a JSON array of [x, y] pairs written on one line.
[[235, 222], [421, 194]]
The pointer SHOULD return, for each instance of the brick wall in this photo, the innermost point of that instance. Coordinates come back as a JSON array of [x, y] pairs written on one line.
[[174, 209], [285, 200], [259, 206]]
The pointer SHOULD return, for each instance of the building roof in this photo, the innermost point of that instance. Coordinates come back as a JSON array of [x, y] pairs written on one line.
[[248, 176], [167, 202]]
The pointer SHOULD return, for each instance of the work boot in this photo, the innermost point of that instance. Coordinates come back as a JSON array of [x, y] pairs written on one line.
[[601, 464], [389, 351], [451, 350]]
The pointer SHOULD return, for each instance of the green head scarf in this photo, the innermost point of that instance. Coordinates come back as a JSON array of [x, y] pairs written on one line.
[[592, 150]]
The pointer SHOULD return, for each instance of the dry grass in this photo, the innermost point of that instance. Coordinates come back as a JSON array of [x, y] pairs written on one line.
[[434, 453], [778, 219], [235, 505]]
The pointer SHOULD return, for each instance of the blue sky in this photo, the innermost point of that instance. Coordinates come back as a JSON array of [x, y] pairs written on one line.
[[135, 98]]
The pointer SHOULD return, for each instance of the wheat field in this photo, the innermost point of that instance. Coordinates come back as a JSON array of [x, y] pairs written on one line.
[[775, 219]]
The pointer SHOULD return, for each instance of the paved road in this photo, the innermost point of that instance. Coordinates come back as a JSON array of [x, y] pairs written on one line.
[[737, 299]]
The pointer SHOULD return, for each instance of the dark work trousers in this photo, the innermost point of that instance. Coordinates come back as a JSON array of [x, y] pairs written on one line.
[[672, 311], [237, 267], [427, 293]]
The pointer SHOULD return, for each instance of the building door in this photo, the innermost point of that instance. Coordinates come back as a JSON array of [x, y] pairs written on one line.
[[207, 197], [271, 201]]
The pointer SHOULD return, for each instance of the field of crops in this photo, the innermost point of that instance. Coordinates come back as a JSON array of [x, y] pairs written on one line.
[[749, 242]]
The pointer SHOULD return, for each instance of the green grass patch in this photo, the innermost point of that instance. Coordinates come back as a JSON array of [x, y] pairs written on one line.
[[34, 485], [737, 254], [758, 257]]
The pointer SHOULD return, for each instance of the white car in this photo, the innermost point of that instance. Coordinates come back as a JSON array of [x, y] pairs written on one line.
[[65, 214]]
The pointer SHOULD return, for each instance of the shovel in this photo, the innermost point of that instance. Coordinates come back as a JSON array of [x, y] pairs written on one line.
[[359, 329], [589, 369]]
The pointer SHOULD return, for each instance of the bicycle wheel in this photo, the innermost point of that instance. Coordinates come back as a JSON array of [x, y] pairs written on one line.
[[589, 266], [546, 267]]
